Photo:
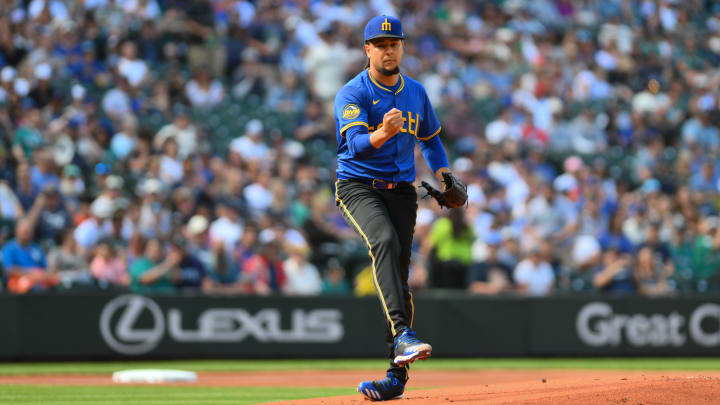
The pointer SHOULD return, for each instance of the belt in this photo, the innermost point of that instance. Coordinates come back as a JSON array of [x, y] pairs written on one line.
[[379, 184]]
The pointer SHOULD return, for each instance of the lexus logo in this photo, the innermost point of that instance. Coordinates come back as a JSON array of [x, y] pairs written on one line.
[[120, 329], [124, 337]]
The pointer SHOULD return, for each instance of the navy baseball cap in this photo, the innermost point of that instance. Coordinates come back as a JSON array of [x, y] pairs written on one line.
[[383, 26]]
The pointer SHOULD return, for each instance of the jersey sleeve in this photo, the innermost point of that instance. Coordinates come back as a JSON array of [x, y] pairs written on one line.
[[351, 116], [430, 125], [430, 145], [350, 111]]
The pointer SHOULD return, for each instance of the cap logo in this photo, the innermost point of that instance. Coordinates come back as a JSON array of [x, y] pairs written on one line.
[[386, 26]]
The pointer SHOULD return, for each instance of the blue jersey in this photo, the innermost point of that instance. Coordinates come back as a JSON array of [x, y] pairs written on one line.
[[359, 109]]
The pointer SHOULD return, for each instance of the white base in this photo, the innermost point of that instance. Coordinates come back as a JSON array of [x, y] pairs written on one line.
[[153, 376]]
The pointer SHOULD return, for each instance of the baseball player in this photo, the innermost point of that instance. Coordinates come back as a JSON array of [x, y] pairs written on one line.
[[380, 115]]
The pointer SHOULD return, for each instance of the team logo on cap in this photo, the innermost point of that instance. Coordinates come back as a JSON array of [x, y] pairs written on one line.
[[351, 111], [386, 26]]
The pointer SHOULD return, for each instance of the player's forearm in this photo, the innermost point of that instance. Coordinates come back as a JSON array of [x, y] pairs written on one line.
[[361, 144], [379, 137], [435, 156]]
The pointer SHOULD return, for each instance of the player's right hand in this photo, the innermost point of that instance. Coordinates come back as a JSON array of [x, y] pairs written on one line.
[[393, 121]]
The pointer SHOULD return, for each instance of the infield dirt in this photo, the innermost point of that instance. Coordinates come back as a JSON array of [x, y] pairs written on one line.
[[537, 387]]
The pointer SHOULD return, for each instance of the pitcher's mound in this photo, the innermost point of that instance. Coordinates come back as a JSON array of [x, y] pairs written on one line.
[[554, 387]]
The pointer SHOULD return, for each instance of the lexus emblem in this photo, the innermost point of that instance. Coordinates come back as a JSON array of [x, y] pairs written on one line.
[[120, 332]]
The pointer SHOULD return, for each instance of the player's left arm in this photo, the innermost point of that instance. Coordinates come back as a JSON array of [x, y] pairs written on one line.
[[428, 137]]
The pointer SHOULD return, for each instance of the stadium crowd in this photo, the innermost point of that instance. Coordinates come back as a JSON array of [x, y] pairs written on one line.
[[164, 146]]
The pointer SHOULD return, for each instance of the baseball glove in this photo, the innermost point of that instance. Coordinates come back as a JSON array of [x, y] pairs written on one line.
[[455, 194]]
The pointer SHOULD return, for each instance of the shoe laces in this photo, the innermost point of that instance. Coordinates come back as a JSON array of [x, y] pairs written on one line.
[[408, 338]]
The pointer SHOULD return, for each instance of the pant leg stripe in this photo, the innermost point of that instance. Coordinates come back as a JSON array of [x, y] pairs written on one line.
[[372, 257], [412, 310]]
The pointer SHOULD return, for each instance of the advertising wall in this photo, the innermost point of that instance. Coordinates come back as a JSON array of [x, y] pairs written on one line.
[[134, 326]]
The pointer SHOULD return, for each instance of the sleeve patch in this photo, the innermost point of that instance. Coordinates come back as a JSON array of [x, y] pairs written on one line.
[[351, 111]]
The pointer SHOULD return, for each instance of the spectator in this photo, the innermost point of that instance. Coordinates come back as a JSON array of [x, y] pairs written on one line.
[[26, 191], [123, 143], [116, 103], [289, 96], [143, 9], [326, 62], [650, 275], [320, 232], [151, 274], [264, 270], [28, 136], [24, 262], [705, 261], [96, 227], [191, 274], [134, 70], [246, 247], [109, 266], [203, 91], [182, 130], [614, 238], [251, 146], [227, 228], [68, 263], [312, 124], [249, 79], [224, 274], [334, 282], [302, 277], [171, 169], [451, 240], [50, 216], [614, 275], [72, 184], [154, 217], [534, 275], [42, 174], [10, 207], [258, 194], [205, 47], [488, 275]]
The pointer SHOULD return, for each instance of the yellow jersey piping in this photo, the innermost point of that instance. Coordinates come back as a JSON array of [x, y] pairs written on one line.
[[402, 83], [426, 138], [352, 124]]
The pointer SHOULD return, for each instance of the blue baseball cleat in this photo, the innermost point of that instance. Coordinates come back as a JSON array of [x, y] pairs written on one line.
[[386, 389], [409, 348]]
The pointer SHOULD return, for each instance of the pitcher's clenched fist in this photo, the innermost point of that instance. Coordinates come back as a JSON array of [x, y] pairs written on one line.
[[393, 121]]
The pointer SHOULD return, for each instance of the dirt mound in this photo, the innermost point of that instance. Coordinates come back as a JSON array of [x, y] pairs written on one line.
[[510, 387]]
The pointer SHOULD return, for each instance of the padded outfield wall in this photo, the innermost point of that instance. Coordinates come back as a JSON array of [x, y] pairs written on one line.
[[35, 327]]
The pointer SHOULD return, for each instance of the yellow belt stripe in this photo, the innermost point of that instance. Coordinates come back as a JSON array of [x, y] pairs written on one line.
[[372, 257], [435, 133]]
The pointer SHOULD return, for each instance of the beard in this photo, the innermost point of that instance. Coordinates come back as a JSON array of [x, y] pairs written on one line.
[[388, 72]]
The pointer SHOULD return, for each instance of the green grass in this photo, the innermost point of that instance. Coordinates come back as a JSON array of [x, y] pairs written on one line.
[[156, 395], [186, 395], [641, 363]]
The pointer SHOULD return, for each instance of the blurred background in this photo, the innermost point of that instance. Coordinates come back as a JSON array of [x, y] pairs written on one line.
[[161, 146]]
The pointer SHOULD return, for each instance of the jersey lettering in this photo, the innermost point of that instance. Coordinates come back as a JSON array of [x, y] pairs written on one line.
[[410, 123]]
